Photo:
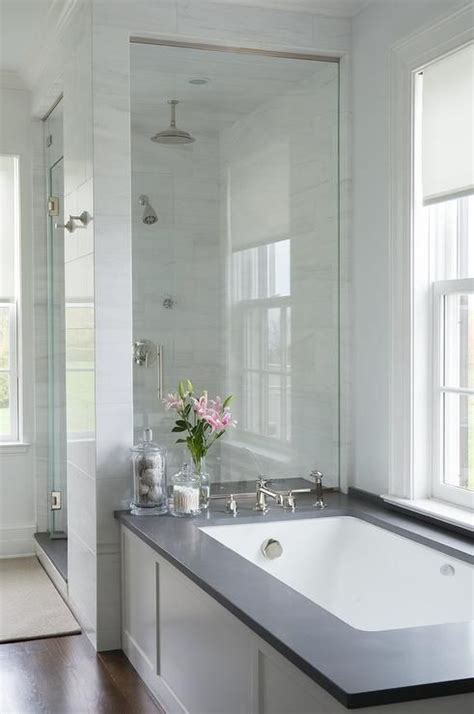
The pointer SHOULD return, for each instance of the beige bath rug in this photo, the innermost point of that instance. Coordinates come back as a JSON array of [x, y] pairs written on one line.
[[30, 605]]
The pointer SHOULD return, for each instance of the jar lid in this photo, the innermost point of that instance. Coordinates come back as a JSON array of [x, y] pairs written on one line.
[[147, 443], [186, 475]]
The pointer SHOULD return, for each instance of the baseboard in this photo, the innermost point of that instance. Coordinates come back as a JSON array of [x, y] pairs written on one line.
[[156, 684], [17, 540]]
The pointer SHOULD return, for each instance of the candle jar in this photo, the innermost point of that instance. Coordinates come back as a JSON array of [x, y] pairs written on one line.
[[148, 478], [186, 493]]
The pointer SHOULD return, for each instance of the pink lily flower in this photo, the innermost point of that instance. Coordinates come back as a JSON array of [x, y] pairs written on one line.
[[200, 406], [172, 401]]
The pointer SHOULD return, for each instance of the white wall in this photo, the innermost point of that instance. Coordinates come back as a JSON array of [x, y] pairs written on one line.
[[17, 475], [375, 30]]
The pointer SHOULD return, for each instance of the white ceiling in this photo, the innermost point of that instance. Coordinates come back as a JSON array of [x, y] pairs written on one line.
[[238, 84]]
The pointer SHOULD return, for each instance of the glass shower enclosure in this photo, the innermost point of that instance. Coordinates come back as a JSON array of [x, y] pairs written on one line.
[[57, 511], [238, 279]]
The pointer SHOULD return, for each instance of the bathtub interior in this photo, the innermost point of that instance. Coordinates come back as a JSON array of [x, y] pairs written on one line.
[[367, 576]]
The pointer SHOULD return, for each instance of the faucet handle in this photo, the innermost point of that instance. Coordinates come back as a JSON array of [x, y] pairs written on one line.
[[263, 481], [288, 501], [231, 506], [318, 477]]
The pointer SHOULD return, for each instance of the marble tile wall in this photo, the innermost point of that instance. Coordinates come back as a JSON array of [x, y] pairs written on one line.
[[80, 299], [177, 257]]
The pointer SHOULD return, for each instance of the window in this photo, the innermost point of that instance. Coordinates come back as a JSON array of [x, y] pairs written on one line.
[[443, 274], [453, 364], [9, 292]]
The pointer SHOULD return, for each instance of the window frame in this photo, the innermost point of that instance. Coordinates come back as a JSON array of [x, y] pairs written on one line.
[[14, 303], [409, 461], [12, 371], [439, 489]]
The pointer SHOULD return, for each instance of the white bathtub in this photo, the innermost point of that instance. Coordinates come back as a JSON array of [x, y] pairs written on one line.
[[367, 576]]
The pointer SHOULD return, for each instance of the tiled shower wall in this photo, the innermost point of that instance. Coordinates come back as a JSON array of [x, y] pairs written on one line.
[[179, 258]]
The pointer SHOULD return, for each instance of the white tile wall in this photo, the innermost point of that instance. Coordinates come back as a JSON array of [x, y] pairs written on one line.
[[178, 257]]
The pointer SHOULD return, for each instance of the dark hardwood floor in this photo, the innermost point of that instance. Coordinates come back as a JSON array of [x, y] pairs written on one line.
[[64, 675]]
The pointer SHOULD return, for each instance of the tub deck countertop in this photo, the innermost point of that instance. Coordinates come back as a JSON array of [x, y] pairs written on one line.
[[358, 667]]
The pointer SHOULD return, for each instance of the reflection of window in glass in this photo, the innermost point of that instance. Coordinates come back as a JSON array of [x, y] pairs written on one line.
[[262, 271], [80, 384], [9, 298], [263, 313]]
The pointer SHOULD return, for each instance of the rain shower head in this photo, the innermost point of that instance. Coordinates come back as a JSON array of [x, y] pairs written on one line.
[[149, 216], [173, 135]]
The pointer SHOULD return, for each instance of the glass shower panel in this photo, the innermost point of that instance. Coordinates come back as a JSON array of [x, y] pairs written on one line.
[[247, 248], [57, 361]]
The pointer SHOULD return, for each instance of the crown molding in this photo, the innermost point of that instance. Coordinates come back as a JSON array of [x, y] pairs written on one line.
[[38, 58]]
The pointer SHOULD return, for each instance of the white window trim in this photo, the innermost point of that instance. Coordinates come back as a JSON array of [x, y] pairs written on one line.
[[440, 490], [14, 303], [406, 59], [12, 371]]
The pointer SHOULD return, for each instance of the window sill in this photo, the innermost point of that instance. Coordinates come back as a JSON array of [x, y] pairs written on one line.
[[441, 511], [14, 447]]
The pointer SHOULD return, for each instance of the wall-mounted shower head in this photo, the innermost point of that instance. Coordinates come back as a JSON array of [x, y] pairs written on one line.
[[149, 215], [173, 135]]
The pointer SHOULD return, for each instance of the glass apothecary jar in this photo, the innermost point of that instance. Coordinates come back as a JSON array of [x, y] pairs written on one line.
[[186, 492], [148, 478]]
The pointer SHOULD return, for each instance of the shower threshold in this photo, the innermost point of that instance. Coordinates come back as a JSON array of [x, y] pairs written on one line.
[[55, 550]]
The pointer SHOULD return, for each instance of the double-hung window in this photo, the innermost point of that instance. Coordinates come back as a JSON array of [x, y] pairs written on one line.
[[453, 363], [9, 292], [443, 271]]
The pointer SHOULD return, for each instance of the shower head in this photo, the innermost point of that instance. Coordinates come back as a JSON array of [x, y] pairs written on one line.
[[173, 135], [149, 216]]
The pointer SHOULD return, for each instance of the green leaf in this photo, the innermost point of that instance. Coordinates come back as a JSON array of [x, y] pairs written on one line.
[[181, 422], [227, 401], [180, 441], [179, 428]]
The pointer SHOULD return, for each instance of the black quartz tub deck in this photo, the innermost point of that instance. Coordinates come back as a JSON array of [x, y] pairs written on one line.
[[359, 668]]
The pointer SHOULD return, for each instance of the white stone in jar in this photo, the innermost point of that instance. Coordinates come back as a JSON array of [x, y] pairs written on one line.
[[143, 489], [151, 476], [155, 494]]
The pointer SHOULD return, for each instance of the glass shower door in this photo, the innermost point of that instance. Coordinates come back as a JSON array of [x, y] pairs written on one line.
[[57, 525]]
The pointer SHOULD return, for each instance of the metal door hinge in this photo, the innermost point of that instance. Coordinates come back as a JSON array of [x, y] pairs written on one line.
[[55, 500], [53, 206], [49, 140]]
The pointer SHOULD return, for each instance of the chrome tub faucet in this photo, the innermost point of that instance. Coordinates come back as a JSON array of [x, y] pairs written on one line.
[[287, 500]]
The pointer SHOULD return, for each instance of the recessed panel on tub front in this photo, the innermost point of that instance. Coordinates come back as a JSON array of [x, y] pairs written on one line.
[[205, 655]]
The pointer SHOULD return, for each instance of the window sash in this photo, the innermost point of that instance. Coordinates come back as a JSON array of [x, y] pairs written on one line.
[[12, 371], [444, 491]]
